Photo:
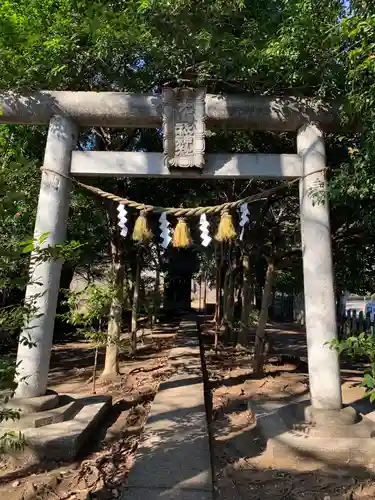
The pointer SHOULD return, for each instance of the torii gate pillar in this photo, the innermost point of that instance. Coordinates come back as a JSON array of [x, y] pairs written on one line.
[[321, 327], [43, 288]]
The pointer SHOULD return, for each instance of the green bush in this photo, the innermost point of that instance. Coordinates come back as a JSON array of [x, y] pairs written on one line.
[[361, 346]]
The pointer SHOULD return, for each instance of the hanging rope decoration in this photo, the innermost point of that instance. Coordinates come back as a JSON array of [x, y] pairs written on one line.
[[181, 236], [225, 231], [141, 231]]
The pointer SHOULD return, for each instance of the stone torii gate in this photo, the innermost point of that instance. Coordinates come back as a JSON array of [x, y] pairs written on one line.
[[183, 116]]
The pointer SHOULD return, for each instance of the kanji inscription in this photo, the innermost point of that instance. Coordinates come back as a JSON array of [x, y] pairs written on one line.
[[184, 127]]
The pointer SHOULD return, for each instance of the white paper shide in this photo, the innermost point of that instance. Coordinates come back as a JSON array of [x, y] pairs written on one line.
[[122, 219], [165, 231], [204, 227], [244, 218]]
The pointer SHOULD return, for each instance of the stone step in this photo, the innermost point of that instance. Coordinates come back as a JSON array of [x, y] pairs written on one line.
[[34, 405], [68, 409], [63, 440]]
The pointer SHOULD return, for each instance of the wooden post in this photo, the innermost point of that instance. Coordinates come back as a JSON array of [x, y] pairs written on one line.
[[368, 323], [262, 323], [204, 295], [200, 295], [135, 305], [361, 322], [354, 323]]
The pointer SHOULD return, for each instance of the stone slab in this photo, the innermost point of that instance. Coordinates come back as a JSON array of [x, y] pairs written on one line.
[[34, 405], [41, 419], [217, 166], [345, 416], [62, 441], [332, 450], [282, 425], [131, 110], [154, 494], [174, 454]]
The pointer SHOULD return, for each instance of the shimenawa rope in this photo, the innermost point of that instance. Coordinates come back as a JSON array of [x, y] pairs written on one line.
[[182, 212]]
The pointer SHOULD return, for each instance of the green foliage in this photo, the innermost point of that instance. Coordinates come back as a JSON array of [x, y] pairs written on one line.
[[361, 346], [299, 47], [14, 316], [151, 297], [253, 318], [8, 371], [12, 441], [30, 252], [89, 311], [354, 180], [89, 308], [238, 43], [39, 253]]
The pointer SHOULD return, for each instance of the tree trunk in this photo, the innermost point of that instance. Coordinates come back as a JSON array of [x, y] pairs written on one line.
[[135, 305], [263, 316], [218, 316], [111, 367], [225, 297], [242, 340], [94, 370], [200, 295], [231, 297], [156, 301], [229, 304], [258, 297], [204, 295]]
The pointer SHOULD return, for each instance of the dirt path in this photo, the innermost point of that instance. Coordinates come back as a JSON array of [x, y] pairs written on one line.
[[243, 469], [105, 462]]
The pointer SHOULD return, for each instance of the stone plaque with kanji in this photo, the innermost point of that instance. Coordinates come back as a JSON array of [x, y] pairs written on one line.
[[184, 127]]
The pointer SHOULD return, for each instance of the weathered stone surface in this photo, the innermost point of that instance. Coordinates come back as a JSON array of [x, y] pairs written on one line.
[[40, 419], [283, 427], [63, 440], [153, 494], [43, 287], [321, 321], [333, 450], [34, 405], [345, 416], [174, 456], [217, 166], [184, 127], [175, 448], [119, 109]]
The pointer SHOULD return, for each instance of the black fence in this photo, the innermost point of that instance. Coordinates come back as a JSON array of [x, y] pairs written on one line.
[[353, 323]]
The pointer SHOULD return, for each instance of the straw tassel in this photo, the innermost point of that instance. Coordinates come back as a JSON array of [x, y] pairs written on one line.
[[181, 235], [141, 231], [225, 231]]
